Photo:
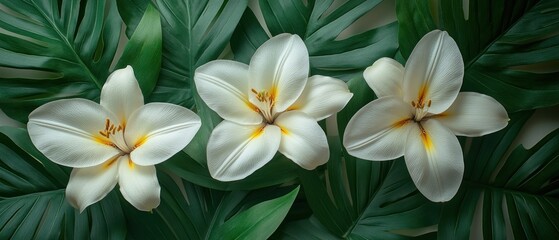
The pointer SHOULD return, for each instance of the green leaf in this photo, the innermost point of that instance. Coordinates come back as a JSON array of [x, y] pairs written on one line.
[[332, 52], [188, 211], [506, 195], [54, 50], [143, 51], [510, 48], [32, 202], [259, 221]]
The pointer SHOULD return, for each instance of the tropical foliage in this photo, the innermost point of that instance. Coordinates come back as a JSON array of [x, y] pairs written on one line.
[[63, 49]]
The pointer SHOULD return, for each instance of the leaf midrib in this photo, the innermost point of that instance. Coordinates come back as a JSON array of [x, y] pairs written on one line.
[[483, 185], [68, 45]]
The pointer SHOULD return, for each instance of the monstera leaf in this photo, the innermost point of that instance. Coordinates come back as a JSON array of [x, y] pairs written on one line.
[[510, 48], [64, 49], [506, 194], [321, 24], [188, 211], [32, 202]]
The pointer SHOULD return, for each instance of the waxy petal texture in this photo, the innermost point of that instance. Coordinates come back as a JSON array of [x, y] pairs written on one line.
[[121, 93], [281, 67], [434, 72], [385, 77], [302, 140], [223, 85], [434, 160], [322, 97], [379, 129], [157, 131], [138, 184], [236, 151], [474, 114], [67, 132], [89, 185]]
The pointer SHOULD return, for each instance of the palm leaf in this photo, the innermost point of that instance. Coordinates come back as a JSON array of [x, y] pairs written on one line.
[[509, 195], [321, 24], [188, 211], [510, 48], [32, 202]]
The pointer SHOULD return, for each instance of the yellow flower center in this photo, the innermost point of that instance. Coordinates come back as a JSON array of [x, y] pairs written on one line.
[[265, 106]]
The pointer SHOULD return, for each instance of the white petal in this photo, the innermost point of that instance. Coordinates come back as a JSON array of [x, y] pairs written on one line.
[[121, 93], [138, 184], [434, 72], [223, 85], [157, 131], [385, 77], [302, 139], [281, 67], [322, 97], [236, 151], [474, 114], [434, 160], [378, 130], [67, 132], [89, 185]]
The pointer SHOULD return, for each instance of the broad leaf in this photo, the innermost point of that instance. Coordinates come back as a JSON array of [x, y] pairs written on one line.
[[64, 49], [363, 199], [32, 202], [322, 25], [188, 211], [506, 194], [510, 48]]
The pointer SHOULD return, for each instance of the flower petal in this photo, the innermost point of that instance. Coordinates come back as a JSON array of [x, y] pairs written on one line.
[[121, 93], [434, 72], [223, 85], [385, 77], [89, 185], [159, 130], [377, 130], [67, 132], [138, 184], [281, 67], [474, 114], [302, 139], [322, 97], [236, 151], [434, 160]]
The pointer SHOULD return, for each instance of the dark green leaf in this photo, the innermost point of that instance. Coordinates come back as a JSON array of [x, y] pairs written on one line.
[[508, 194], [54, 50], [321, 25], [510, 48], [32, 202], [143, 51]]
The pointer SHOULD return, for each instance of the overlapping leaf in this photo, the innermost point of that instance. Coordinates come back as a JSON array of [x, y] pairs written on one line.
[[188, 211], [32, 202], [510, 48], [506, 195], [321, 24]]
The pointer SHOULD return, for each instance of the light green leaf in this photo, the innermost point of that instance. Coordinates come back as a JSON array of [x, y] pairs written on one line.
[[32, 202], [143, 51], [506, 196], [510, 48], [188, 211], [259, 221], [54, 50], [321, 24]]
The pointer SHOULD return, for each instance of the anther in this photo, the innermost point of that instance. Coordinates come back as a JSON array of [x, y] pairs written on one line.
[[429, 103], [107, 122], [412, 103]]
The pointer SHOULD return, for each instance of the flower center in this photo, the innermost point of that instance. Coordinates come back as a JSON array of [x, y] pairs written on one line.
[[421, 109], [114, 135], [265, 105]]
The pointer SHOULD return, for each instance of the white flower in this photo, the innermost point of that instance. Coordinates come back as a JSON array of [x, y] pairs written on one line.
[[418, 113], [268, 106], [119, 140]]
